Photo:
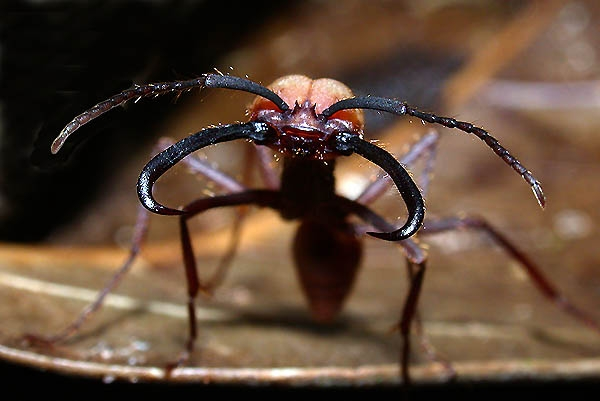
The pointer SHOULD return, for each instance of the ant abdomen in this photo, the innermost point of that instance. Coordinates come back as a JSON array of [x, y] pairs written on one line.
[[326, 257]]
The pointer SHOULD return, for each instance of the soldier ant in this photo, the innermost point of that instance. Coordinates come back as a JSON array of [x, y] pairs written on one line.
[[310, 123]]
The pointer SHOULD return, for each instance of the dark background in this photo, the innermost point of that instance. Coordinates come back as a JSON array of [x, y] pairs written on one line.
[[58, 58]]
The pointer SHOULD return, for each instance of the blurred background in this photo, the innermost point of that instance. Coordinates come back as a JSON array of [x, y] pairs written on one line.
[[526, 71]]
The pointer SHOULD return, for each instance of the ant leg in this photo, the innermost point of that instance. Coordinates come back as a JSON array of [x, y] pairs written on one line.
[[416, 260], [269, 175], [193, 286], [542, 283], [424, 147], [204, 169], [429, 349], [231, 185], [409, 312], [265, 198], [271, 180], [140, 231], [209, 286]]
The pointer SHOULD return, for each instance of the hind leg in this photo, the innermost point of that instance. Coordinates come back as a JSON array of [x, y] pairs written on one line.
[[141, 227], [140, 231], [533, 271]]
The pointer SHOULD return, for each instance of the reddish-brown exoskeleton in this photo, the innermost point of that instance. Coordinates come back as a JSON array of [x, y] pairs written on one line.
[[310, 123]]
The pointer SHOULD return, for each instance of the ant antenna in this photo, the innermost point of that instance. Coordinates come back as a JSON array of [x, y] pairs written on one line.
[[401, 108], [152, 90]]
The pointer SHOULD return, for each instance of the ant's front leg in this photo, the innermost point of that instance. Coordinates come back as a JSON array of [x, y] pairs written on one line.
[[264, 198]]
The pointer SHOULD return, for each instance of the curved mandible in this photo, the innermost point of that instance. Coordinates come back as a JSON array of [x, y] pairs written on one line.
[[166, 159], [347, 143]]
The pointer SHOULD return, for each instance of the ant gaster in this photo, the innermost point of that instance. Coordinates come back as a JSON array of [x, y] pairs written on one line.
[[310, 123]]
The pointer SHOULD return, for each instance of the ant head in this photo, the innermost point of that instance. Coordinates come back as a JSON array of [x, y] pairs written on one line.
[[302, 130]]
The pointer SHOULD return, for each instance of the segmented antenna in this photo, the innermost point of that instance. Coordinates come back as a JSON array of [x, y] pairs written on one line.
[[136, 92], [400, 108], [492, 142], [210, 80]]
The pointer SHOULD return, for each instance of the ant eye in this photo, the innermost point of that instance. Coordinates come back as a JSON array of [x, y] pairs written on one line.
[[263, 134], [343, 143]]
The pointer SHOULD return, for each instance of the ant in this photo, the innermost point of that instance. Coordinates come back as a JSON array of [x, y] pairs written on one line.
[[310, 123]]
